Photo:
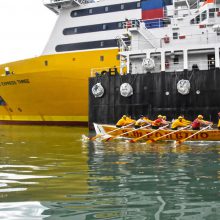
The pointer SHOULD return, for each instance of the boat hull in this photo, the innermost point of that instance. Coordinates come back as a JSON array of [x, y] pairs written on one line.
[[205, 135], [50, 90]]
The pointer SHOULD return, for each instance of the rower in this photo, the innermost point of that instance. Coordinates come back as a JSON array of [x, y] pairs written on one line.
[[142, 121], [165, 122], [187, 122], [125, 120], [198, 122], [121, 121], [218, 121], [129, 120], [179, 122], [158, 122]]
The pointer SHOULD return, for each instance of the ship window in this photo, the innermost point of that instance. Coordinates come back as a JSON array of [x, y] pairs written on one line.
[[104, 26], [176, 59], [138, 4], [197, 19], [119, 25], [175, 35], [46, 63], [192, 21], [75, 30], [204, 15], [106, 9], [101, 43], [101, 58], [2, 101], [90, 11], [86, 45], [118, 57], [212, 12]]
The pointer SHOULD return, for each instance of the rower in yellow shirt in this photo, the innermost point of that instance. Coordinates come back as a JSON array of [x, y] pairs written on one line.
[[129, 120], [125, 120], [179, 122]]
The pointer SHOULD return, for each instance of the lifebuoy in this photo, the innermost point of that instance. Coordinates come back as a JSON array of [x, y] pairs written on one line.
[[166, 39]]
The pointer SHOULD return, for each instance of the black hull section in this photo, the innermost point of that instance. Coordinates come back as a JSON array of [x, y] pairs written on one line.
[[150, 96]]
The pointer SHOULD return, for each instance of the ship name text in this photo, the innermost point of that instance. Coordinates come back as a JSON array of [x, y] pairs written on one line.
[[15, 82]]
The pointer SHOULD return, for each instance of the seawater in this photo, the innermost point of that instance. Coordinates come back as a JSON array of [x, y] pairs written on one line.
[[51, 173]]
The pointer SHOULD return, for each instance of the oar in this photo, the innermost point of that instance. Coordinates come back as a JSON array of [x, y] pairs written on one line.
[[101, 135], [137, 139], [119, 135], [183, 140], [156, 139]]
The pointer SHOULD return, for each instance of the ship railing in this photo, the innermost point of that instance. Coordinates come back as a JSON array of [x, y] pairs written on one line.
[[173, 65], [80, 2], [105, 70], [131, 23]]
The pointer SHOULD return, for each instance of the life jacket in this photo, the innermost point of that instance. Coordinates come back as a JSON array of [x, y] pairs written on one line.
[[219, 122], [157, 122], [121, 122], [196, 123]]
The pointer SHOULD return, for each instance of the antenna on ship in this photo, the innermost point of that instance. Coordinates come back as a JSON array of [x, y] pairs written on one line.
[[56, 5]]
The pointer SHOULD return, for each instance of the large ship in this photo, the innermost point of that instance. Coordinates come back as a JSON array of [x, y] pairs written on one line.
[[53, 88], [171, 60]]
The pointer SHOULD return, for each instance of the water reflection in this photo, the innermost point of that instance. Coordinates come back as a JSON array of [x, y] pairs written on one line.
[[22, 210], [53, 174]]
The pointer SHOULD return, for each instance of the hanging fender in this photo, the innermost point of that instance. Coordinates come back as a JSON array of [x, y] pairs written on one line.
[[126, 90], [98, 90], [183, 87]]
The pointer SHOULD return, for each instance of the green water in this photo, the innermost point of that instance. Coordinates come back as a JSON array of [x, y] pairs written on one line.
[[50, 173]]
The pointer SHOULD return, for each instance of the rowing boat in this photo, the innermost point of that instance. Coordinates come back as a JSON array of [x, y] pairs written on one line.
[[205, 135]]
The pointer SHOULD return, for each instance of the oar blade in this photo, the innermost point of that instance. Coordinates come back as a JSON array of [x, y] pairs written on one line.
[[151, 141], [133, 141], [107, 139]]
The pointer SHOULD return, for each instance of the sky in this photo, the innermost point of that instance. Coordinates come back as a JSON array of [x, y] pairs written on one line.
[[25, 27]]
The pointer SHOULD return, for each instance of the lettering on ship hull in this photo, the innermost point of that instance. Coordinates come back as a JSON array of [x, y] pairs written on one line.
[[14, 82]]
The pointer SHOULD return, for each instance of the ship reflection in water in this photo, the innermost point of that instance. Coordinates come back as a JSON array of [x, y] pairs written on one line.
[[50, 173]]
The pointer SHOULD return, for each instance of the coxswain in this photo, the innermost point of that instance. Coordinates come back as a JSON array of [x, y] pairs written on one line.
[[158, 122], [218, 121], [142, 121], [179, 122], [198, 122]]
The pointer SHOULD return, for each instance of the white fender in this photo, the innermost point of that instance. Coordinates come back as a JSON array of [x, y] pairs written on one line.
[[126, 90], [183, 87], [98, 90], [148, 64]]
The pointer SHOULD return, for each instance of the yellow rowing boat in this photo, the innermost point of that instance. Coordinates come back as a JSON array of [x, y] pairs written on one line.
[[131, 132]]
